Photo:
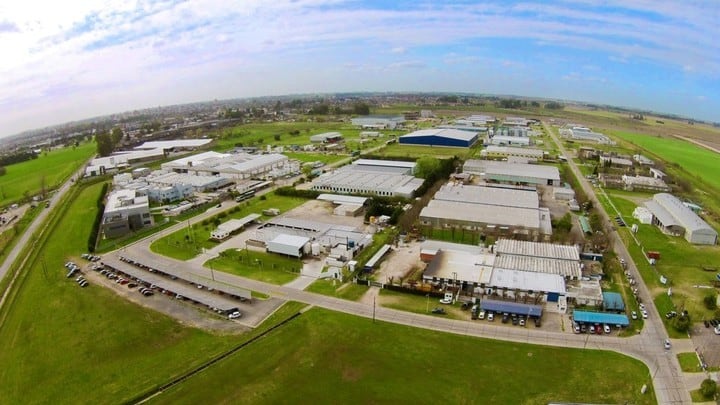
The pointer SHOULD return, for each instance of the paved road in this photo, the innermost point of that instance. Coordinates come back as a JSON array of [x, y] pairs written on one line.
[[667, 375], [665, 372], [39, 220]]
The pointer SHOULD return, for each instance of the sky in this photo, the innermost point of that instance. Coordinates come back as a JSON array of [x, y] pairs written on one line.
[[63, 61]]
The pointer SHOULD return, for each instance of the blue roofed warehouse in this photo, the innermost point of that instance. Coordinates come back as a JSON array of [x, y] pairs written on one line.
[[440, 137]]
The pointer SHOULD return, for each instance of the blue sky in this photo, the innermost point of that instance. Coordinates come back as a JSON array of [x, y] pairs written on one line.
[[69, 61]]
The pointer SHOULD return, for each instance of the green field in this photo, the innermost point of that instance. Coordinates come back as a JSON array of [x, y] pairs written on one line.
[[681, 262], [265, 267], [61, 342], [50, 169], [328, 357], [412, 152], [689, 362], [334, 288], [696, 161], [188, 242], [419, 304]]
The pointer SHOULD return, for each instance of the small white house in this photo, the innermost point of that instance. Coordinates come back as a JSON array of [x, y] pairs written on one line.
[[643, 215]]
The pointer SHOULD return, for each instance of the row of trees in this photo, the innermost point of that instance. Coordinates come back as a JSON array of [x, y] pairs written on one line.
[[325, 109]]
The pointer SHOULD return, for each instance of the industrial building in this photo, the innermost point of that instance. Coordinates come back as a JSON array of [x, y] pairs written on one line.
[[500, 152], [516, 121], [345, 205], [518, 132], [541, 257], [234, 165], [440, 137], [516, 283], [460, 267], [513, 173], [616, 161], [327, 137], [509, 140], [290, 245], [372, 177], [674, 217], [229, 227], [125, 212], [489, 210], [644, 183], [584, 134], [121, 160], [643, 160], [643, 215], [563, 193], [379, 121], [174, 145]]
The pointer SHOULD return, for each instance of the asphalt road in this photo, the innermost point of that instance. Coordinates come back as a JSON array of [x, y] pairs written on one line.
[[33, 227], [665, 369]]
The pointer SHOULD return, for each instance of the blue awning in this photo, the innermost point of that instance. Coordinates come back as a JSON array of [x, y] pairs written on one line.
[[511, 307], [600, 317]]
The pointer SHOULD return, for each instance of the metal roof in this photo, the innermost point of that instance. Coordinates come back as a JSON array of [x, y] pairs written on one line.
[[385, 163], [342, 199], [482, 214], [488, 195], [584, 224], [177, 143], [527, 281], [443, 133], [682, 214], [537, 249], [462, 266], [233, 225], [490, 167], [509, 150], [565, 268], [613, 301], [511, 307], [290, 240], [600, 317]]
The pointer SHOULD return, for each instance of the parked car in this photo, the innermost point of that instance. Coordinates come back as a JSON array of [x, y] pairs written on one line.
[[538, 322], [667, 344], [576, 328], [438, 310], [644, 314], [235, 315], [522, 321], [481, 315], [717, 330], [490, 317], [633, 315], [445, 301], [606, 328]]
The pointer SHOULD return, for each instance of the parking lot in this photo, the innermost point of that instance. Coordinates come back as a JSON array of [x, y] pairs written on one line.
[[253, 311], [707, 343]]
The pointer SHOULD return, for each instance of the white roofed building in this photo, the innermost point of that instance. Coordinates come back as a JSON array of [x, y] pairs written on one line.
[[373, 177], [496, 152], [672, 216], [513, 173], [125, 212], [233, 166]]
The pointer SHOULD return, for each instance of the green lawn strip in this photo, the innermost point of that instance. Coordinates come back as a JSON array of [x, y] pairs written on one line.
[[87, 343], [186, 243], [697, 396], [412, 152], [680, 261], [419, 304], [314, 157], [266, 267], [328, 357], [455, 235], [689, 362], [334, 288], [49, 169]]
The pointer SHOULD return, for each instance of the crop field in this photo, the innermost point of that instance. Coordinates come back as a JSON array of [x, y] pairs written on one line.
[[266, 267], [328, 357], [50, 169], [188, 242], [62, 343], [696, 161]]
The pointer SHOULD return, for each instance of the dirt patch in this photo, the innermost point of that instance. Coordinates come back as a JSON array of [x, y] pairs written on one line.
[[401, 262], [322, 211]]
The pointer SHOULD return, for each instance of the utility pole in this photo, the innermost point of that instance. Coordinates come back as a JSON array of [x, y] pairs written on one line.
[[373, 309]]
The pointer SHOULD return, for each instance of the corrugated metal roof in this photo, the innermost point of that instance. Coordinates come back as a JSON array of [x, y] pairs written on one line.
[[537, 249], [565, 268], [662, 215], [461, 266], [490, 167], [600, 317], [613, 301], [527, 280], [682, 214], [482, 214], [511, 307], [342, 199], [488, 196], [443, 133]]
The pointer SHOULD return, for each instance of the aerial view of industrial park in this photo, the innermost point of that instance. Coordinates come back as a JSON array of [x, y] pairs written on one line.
[[341, 202]]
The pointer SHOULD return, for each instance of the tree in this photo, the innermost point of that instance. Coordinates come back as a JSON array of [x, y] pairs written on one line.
[[2, 171], [681, 323], [116, 135], [710, 301], [708, 388], [104, 144], [425, 166], [361, 109]]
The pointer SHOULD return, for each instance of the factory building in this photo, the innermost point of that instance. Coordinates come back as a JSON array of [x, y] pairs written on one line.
[[674, 217], [440, 137], [503, 152], [513, 173], [234, 165], [371, 177], [379, 121], [125, 212]]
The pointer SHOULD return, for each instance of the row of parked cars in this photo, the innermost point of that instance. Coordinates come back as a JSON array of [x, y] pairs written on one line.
[[591, 329], [505, 317], [74, 269]]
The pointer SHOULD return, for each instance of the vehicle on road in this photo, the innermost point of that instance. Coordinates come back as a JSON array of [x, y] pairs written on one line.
[[667, 344], [644, 314]]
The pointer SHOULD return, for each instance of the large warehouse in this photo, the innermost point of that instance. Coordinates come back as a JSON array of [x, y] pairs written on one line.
[[440, 137], [496, 152], [673, 217], [513, 173], [494, 211], [378, 121], [373, 177], [563, 260], [233, 165]]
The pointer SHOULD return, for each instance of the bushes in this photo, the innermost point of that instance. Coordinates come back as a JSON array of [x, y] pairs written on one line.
[[708, 388], [710, 301], [92, 239], [288, 191]]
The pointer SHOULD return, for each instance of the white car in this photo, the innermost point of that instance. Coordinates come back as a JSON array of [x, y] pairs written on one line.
[[644, 314], [235, 315], [606, 328], [445, 301], [667, 344], [490, 317], [717, 330], [642, 306], [481, 315], [633, 315]]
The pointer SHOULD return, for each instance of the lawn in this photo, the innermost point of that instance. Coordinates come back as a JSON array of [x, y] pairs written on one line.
[[695, 160], [689, 362], [50, 169], [314, 157], [61, 343], [334, 288], [328, 357], [419, 304], [266, 267], [188, 242], [680, 261]]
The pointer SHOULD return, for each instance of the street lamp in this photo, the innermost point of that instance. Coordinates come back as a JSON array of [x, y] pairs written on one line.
[[427, 306]]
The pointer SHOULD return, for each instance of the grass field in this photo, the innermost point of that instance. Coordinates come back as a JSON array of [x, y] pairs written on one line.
[[187, 243], [689, 362], [328, 357], [51, 168], [266, 267], [61, 342], [419, 304], [697, 161], [334, 288], [681, 262], [412, 152]]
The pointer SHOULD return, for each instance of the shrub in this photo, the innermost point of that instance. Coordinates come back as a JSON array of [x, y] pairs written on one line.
[[681, 323], [710, 301], [708, 388]]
